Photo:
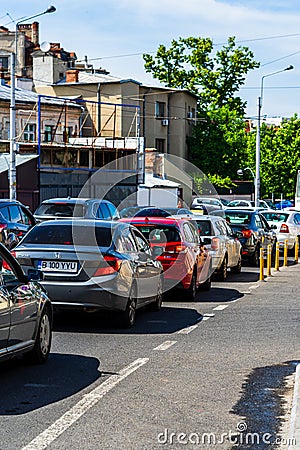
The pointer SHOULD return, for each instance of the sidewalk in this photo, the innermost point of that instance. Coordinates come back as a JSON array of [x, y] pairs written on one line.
[[290, 275]]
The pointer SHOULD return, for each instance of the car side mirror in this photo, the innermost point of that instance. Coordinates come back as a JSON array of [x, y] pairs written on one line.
[[238, 234], [35, 275]]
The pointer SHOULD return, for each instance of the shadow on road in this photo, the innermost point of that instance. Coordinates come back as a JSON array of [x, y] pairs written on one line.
[[26, 387]]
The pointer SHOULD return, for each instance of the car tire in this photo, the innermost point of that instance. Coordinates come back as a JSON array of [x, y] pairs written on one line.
[[254, 260], [222, 273], [156, 305], [129, 315], [192, 290], [238, 267], [40, 352], [206, 285]]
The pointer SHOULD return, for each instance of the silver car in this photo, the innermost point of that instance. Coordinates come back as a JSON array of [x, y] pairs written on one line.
[[223, 245], [93, 264], [286, 225]]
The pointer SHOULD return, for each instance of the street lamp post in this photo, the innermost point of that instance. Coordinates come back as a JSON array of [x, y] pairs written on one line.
[[257, 158], [12, 115]]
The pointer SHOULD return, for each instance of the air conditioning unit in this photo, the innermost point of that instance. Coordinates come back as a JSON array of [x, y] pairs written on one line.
[[165, 122]]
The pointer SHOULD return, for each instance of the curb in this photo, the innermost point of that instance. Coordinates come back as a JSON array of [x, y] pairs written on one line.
[[294, 434]]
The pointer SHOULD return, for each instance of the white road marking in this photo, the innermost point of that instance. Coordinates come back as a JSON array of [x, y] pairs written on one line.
[[254, 286], [205, 318], [87, 402], [187, 330], [220, 307], [165, 345]]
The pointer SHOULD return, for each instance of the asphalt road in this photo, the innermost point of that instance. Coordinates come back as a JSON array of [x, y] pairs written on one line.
[[217, 366]]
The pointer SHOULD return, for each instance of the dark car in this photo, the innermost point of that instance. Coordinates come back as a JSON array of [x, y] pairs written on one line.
[[186, 263], [253, 231], [15, 221], [153, 211], [85, 208], [25, 312], [94, 265]]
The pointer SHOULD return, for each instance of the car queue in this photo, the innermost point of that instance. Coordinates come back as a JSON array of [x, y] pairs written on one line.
[[84, 254]]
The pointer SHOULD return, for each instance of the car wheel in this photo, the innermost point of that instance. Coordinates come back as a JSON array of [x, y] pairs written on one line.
[[129, 315], [40, 352], [192, 290], [156, 305], [238, 267], [254, 260], [222, 274], [206, 285]]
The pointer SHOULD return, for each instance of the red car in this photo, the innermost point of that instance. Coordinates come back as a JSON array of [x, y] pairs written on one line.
[[175, 242]]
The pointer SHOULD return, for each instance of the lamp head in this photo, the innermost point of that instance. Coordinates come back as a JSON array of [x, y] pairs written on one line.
[[240, 172], [50, 9], [290, 67]]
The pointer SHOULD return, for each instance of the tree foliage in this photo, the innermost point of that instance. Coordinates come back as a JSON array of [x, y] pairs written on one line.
[[219, 143], [280, 157]]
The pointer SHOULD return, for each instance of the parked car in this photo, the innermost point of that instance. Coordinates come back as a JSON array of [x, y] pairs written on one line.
[[222, 243], [286, 224], [90, 264], [86, 208], [15, 221], [186, 263], [246, 204], [253, 231], [210, 203], [25, 313], [153, 211], [284, 204]]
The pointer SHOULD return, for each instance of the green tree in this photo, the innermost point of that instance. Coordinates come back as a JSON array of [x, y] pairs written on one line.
[[218, 146], [280, 157]]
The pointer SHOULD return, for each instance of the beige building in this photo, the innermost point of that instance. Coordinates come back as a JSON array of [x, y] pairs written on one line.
[[121, 108]]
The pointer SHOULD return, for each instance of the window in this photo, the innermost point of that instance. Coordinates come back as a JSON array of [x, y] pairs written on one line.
[[48, 133], [142, 244], [29, 132], [160, 145], [103, 212], [4, 212], [4, 62], [160, 110]]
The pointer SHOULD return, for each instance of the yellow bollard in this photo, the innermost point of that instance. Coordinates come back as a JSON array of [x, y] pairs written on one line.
[[277, 256], [261, 265], [285, 253], [296, 250], [269, 260]]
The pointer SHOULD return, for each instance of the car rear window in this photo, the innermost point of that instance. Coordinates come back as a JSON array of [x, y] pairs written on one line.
[[68, 234], [204, 227], [61, 209], [152, 212], [275, 217], [237, 218], [163, 233]]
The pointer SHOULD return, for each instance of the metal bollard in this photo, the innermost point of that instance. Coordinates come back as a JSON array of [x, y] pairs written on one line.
[[277, 256], [261, 265], [296, 250], [269, 260], [285, 253]]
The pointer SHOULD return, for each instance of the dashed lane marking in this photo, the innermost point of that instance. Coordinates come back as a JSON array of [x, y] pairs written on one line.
[[165, 345], [187, 330], [79, 409], [220, 307]]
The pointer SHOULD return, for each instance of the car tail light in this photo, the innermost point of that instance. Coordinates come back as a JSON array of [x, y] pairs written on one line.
[[5, 265], [174, 248], [284, 228], [2, 226], [215, 242], [246, 233], [112, 264]]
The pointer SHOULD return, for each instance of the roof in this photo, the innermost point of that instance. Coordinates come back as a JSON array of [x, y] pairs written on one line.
[[72, 200], [155, 182], [91, 78], [153, 220], [20, 159], [25, 96]]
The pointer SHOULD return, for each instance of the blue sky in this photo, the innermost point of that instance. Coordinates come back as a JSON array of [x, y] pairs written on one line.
[[110, 30]]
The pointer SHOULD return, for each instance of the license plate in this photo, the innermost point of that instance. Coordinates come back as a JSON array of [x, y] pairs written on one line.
[[58, 266]]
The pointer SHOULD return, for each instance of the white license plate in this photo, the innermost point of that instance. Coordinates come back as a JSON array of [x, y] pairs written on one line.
[[58, 266]]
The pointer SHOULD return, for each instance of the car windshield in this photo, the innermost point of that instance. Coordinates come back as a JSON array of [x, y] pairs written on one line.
[[204, 227], [161, 234], [61, 209], [237, 218], [68, 234], [275, 217]]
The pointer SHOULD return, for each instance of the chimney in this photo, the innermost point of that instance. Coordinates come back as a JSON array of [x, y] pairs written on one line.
[[35, 33], [72, 76]]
